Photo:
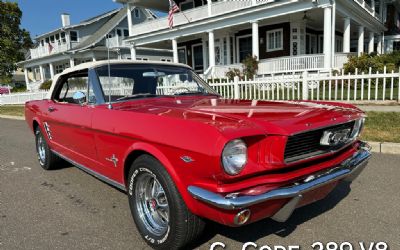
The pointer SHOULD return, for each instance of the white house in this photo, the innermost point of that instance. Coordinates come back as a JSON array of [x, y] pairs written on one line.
[[73, 44], [286, 35]]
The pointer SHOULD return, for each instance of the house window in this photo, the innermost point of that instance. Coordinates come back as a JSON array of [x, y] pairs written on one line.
[[73, 36], [274, 40], [126, 32], [119, 32], [182, 55], [245, 47], [63, 40], [186, 5], [396, 46], [136, 13]]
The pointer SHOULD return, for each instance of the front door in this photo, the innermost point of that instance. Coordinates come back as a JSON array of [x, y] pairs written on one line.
[[197, 58], [245, 47], [68, 124]]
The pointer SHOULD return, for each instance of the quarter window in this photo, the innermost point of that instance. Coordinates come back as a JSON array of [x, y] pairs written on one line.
[[275, 40]]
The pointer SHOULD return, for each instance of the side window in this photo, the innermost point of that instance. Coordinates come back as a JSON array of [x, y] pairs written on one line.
[[70, 85]]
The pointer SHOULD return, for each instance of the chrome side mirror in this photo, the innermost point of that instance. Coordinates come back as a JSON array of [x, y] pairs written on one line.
[[79, 97]]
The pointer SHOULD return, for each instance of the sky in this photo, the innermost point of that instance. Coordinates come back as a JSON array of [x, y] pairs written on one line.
[[41, 16]]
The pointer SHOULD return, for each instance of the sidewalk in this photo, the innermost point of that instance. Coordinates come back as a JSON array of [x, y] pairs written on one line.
[[380, 108]]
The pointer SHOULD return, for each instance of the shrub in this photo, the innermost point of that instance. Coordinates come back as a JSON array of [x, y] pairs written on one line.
[[46, 85], [373, 61], [250, 67], [232, 73]]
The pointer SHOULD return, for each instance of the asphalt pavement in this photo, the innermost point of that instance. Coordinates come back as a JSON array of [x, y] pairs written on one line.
[[69, 209]]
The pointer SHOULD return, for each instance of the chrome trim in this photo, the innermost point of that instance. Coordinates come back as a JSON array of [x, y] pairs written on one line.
[[91, 172], [347, 170]]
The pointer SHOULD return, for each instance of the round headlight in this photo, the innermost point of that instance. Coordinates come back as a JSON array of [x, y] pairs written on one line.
[[234, 157], [358, 126]]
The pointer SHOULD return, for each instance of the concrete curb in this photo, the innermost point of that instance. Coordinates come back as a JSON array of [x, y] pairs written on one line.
[[21, 118], [377, 147]]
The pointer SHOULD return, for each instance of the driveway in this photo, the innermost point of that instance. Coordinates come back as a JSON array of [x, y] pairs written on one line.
[[69, 209]]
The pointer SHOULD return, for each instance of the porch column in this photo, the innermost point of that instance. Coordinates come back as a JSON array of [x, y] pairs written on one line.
[[228, 50], [204, 47], [373, 5], [41, 69], [71, 62], [255, 39], [26, 76], [371, 43], [133, 52], [129, 18], [175, 50], [211, 48], [360, 40], [327, 37], [346, 35], [51, 66], [380, 45], [209, 5]]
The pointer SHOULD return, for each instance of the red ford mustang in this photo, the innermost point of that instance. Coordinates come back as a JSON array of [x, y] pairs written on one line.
[[183, 154]]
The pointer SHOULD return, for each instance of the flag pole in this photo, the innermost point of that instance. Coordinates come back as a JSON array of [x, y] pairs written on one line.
[[182, 12]]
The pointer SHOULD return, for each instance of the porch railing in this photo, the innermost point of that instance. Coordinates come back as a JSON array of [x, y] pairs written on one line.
[[199, 13], [47, 50], [291, 64]]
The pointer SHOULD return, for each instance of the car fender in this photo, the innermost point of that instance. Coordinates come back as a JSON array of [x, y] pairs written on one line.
[[156, 153]]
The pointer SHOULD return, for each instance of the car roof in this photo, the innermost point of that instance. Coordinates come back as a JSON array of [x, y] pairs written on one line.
[[96, 64]]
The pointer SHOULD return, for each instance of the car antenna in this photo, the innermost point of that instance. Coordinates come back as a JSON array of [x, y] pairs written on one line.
[[109, 72]]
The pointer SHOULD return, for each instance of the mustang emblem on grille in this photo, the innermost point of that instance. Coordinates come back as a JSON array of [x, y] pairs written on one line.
[[335, 137]]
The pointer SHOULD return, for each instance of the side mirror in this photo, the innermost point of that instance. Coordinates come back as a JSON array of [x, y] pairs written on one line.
[[79, 97]]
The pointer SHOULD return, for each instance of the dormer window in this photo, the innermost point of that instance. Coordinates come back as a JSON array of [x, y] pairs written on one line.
[[63, 40], [73, 36], [136, 13], [47, 40]]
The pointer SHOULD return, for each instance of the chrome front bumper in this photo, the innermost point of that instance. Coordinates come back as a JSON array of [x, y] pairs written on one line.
[[348, 170]]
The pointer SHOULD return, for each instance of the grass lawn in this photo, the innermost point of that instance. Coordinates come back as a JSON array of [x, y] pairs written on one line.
[[380, 126], [12, 110]]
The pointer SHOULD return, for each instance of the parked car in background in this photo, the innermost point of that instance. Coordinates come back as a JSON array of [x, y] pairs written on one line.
[[183, 154], [5, 90]]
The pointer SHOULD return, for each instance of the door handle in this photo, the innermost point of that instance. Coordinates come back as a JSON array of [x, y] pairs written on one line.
[[51, 109]]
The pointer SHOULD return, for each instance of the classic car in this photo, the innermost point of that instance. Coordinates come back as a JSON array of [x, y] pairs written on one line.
[[185, 155], [4, 90]]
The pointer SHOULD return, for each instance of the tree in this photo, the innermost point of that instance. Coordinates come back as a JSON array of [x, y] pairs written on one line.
[[13, 39]]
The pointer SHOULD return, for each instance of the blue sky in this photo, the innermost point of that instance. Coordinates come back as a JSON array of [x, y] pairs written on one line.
[[41, 16]]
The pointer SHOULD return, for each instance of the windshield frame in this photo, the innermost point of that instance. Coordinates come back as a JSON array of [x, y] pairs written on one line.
[[154, 66]]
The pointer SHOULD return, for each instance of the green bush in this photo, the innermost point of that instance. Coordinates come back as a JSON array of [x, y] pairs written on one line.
[[250, 68], [376, 62], [46, 85]]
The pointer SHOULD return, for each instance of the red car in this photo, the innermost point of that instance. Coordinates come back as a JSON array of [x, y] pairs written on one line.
[[183, 154], [4, 90]]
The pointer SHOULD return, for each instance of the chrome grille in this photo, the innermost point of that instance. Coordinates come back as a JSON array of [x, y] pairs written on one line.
[[307, 144]]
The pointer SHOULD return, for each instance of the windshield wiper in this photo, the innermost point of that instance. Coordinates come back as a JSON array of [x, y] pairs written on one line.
[[195, 93], [140, 95]]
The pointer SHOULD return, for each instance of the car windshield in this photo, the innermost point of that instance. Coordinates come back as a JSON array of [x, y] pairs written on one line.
[[132, 81]]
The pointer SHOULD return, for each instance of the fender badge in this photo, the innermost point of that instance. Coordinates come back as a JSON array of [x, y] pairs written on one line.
[[186, 159], [113, 159]]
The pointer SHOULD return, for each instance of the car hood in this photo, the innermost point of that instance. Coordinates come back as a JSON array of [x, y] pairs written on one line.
[[266, 117]]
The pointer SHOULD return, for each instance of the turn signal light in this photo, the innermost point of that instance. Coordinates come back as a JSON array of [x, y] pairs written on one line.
[[242, 217]]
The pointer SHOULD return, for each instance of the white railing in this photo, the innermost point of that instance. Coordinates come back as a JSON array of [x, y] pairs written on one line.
[[291, 64], [341, 58], [351, 87], [366, 7], [199, 13], [45, 50], [116, 42]]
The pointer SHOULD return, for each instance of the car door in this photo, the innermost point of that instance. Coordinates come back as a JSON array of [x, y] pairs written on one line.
[[68, 123]]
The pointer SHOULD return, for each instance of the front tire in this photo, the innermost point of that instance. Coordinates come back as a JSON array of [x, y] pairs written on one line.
[[158, 210], [47, 159]]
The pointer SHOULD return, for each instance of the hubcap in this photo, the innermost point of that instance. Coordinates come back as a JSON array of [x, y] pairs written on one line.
[[152, 204], [41, 149]]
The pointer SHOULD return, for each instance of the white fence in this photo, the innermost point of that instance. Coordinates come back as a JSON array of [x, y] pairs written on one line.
[[339, 87]]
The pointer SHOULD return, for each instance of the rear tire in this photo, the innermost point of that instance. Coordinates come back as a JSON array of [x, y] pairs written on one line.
[[47, 159], [160, 214]]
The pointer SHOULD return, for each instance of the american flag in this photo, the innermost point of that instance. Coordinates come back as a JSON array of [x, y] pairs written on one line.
[[172, 9], [50, 47]]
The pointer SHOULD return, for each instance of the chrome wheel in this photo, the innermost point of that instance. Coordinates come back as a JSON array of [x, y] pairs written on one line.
[[152, 204], [41, 149]]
